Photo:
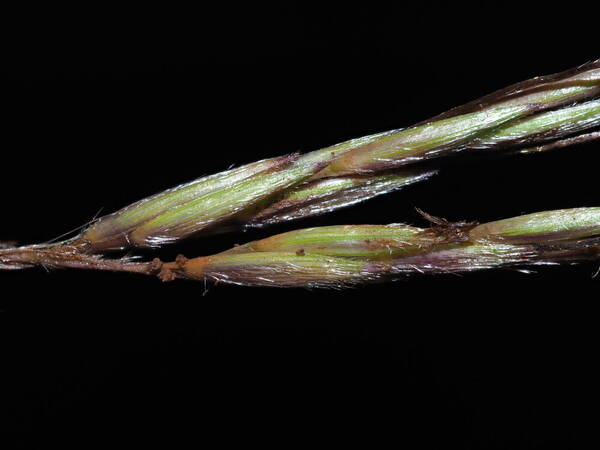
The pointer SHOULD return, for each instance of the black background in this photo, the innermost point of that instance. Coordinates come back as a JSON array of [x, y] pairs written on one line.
[[102, 108]]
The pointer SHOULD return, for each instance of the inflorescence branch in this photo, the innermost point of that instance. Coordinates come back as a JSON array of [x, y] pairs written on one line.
[[536, 115]]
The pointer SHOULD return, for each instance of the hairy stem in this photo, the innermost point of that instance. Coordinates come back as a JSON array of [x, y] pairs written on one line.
[[66, 256]]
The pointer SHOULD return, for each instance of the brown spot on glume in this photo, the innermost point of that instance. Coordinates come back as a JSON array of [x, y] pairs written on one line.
[[166, 275], [285, 203], [300, 252], [367, 241], [180, 260], [155, 265], [283, 161], [448, 232], [332, 153]]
